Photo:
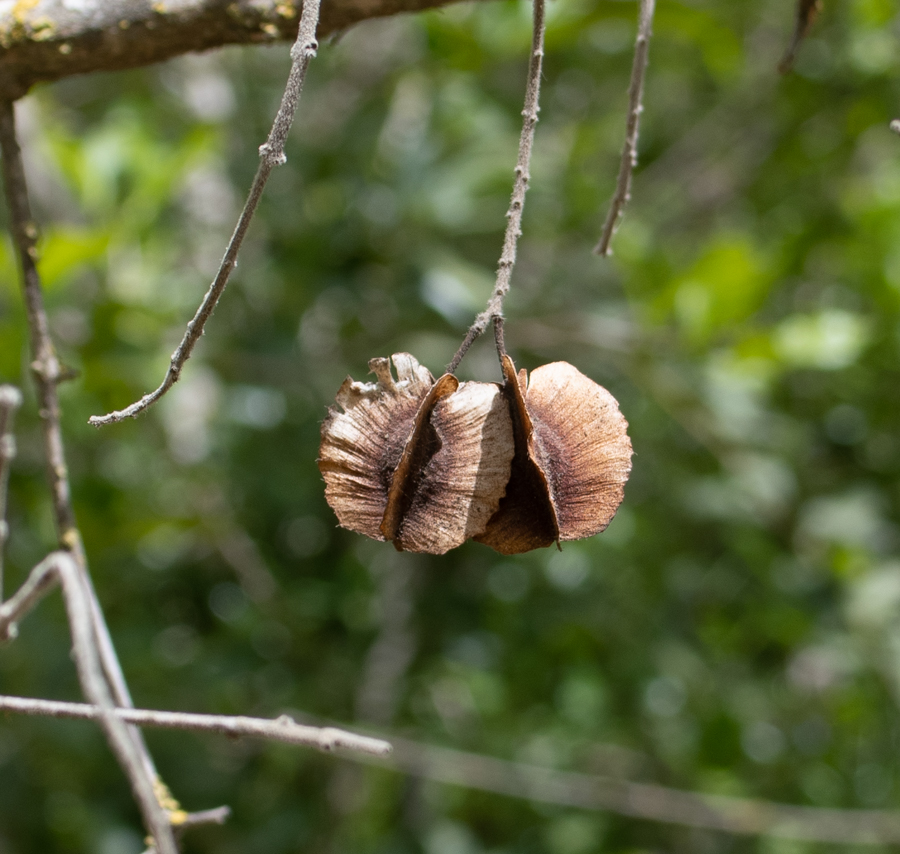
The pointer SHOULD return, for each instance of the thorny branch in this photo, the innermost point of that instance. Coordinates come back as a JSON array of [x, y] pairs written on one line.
[[271, 154], [494, 310], [10, 401], [622, 194], [101, 675], [283, 729]]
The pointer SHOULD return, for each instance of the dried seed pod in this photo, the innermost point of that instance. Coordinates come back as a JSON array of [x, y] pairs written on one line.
[[418, 462], [572, 459]]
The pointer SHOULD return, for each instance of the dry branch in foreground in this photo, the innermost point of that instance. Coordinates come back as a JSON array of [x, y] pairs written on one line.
[[645, 801], [283, 728]]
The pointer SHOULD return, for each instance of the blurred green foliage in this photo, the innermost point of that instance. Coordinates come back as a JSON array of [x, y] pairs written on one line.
[[734, 631]]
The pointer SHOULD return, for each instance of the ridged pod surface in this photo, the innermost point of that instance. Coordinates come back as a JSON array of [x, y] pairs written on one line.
[[429, 464], [420, 462], [572, 459]]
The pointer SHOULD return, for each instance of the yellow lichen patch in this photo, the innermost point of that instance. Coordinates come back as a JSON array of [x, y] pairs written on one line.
[[70, 539], [165, 799], [16, 29], [21, 9], [43, 29]]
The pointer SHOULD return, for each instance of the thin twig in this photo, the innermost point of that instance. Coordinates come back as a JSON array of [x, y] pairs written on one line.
[[629, 160], [10, 401], [520, 187], [219, 815], [61, 567], [182, 821], [41, 580], [283, 729], [804, 18], [271, 154], [739, 816], [126, 742]]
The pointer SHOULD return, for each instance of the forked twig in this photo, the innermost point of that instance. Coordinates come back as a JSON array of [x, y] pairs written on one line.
[[622, 194], [283, 729], [10, 401], [126, 742], [271, 154], [494, 308], [60, 567]]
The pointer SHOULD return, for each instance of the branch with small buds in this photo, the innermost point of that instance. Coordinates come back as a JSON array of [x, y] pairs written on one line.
[[284, 728], [494, 311], [622, 194], [271, 154], [98, 665]]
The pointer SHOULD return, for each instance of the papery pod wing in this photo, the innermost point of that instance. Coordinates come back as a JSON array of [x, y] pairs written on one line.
[[581, 444], [363, 439], [452, 497], [572, 459], [526, 518]]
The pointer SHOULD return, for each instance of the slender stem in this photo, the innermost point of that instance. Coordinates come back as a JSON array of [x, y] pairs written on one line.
[[282, 729], [520, 187], [271, 155], [10, 401], [499, 339], [805, 16], [41, 580], [645, 801], [126, 743], [629, 160]]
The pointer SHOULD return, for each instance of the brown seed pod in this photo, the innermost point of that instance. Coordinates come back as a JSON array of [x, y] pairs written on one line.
[[572, 459], [418, 462]]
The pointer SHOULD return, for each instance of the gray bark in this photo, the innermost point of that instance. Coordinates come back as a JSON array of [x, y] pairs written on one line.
[[44, 40]]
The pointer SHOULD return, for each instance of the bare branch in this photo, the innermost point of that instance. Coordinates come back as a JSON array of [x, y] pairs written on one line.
[[520, 187], [182, 821], [10, 401], [622, 194], [89, 632], [283, 729], [271, 155], [46, 40], [804, 18], [219, 815], [41, 580], [739, 816], [61, 567]]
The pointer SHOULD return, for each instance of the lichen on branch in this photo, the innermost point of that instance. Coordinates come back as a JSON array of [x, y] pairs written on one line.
[[45, 40]]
